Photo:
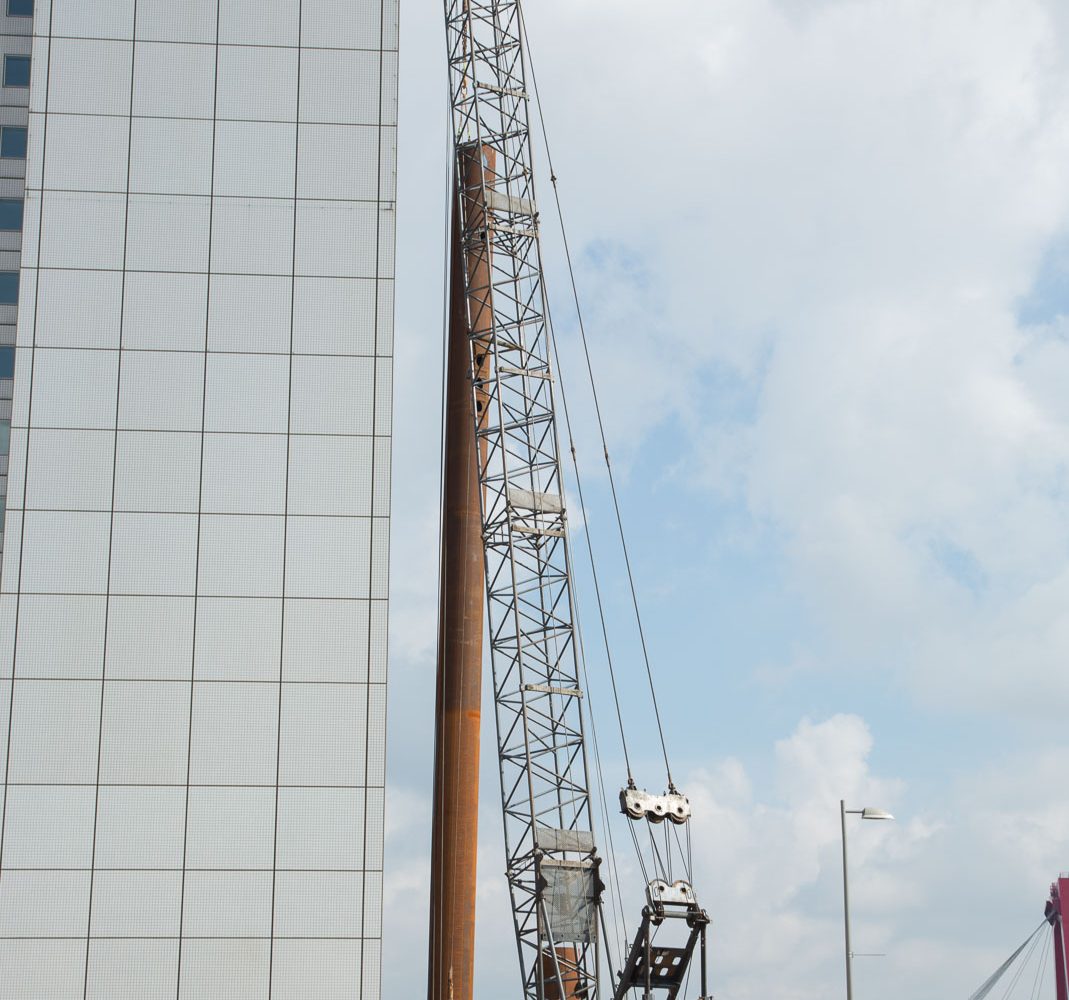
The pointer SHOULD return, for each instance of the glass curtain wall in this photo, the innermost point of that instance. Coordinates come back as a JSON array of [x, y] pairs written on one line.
[[16, 20], [194, 579]]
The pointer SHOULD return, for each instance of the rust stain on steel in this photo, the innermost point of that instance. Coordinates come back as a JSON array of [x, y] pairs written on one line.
[[567, 959], [460, 640]]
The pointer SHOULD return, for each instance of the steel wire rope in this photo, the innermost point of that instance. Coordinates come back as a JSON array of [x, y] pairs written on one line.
[[1042, 964], [551, 336], [446, 277], [594, 394], [1019, 971], [686, 982], [1045, 964], [663, 864], [583, 513], [592, 561], [667, 853], [992, 981], [619, 925], [638, 852], [662, 868], [684, 852], [550, 330], [690, 850]]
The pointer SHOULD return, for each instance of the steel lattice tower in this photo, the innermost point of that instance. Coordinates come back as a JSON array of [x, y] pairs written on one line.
[[552, 866]]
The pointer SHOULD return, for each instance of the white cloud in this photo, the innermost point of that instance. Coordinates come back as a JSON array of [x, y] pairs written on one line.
[[769, 861], [843, 204], [946, 895]]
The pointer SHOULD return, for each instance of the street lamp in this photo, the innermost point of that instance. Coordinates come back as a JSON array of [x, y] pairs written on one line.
[[867, 813]]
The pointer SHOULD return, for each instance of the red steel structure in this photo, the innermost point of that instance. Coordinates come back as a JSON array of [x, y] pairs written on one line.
[[1057, 913]]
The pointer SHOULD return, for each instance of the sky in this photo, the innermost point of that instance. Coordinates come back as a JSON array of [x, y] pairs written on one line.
[[822, 249]]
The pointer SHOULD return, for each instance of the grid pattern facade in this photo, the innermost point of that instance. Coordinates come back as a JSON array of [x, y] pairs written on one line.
[[194, 581]]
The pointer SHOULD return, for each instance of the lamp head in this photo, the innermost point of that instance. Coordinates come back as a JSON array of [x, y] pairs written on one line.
[[870, 813]]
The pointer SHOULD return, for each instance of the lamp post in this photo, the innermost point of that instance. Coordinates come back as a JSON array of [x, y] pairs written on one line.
[[867, 813]]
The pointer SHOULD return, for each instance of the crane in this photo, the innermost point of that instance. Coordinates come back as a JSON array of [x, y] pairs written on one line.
[[505, 540]]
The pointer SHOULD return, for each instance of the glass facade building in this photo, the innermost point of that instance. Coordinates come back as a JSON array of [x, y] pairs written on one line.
[[193, 593], [15, 42]]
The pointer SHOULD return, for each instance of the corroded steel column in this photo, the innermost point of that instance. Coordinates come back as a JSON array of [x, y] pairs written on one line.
[[460, 640], [567, 959]]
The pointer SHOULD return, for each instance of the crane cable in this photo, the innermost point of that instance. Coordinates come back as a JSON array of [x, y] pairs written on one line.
[[599, 771], [663, 866], [664, 869], [589, 545], [451, 182], [619, 927], [1041, 971], [1021, 967], [992, 981], [597, 403]]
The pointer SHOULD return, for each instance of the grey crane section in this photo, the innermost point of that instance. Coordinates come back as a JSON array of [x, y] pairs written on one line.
[[551, 862]]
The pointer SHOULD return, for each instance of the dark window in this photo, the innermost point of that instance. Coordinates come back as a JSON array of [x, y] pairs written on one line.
[[9, 287], [20, 8], [12, 142], [10, 215], [7, 365], [16, 71]]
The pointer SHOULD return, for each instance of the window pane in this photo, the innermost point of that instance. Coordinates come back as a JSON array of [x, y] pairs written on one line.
[[5, 435], [9, 291], [12, 142], [16, 71], [20, 8], [7, 367], [11, 214]]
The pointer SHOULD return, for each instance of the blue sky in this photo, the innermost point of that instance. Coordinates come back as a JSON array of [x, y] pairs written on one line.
[[821, 248]]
